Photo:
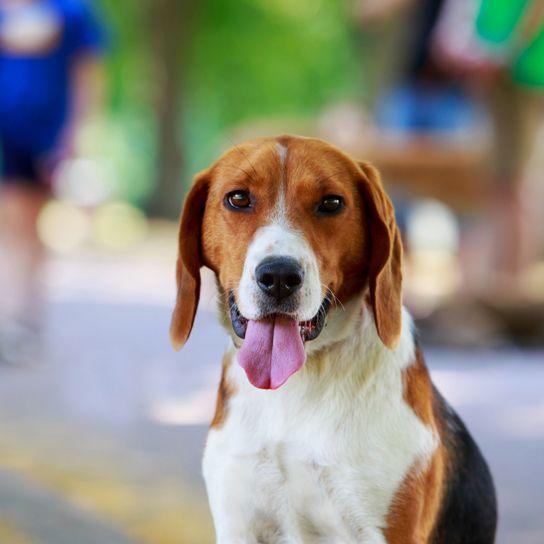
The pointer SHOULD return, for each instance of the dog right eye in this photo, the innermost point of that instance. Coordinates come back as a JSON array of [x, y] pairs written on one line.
[[330, 205], [238, 200]]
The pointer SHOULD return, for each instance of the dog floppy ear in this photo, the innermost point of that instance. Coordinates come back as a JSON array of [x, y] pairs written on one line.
[[189, 261], [385, 257]]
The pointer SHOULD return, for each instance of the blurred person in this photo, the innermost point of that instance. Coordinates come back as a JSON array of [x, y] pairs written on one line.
[[468, 63], [427, 101], [50, 81], [497, 48]]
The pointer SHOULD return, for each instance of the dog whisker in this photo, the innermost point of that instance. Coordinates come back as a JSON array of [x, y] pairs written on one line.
[[334, 299]]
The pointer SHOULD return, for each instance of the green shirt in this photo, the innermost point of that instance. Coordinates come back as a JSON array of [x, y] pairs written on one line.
[[498, 22]]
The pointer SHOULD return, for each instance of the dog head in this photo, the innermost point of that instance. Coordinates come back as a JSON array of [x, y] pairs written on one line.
[[290, 226]]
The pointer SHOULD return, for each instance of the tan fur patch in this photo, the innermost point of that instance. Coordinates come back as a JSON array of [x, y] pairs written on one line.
[[224, 393]]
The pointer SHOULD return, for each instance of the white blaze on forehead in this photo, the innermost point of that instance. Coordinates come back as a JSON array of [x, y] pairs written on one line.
[[279, 215], [278, 239], [282, 152]]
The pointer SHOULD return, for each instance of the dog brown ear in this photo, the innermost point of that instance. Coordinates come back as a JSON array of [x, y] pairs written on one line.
[[385, 253], [189, 261]]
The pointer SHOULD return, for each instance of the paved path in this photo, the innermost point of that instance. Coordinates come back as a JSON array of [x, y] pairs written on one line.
[[33, 514], [114, 420]]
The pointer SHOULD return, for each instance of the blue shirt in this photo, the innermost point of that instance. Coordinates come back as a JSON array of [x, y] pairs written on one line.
[[39, 41]]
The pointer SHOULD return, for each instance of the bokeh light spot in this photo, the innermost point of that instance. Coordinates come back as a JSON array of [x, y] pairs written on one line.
[[118, 225], [62, 226]]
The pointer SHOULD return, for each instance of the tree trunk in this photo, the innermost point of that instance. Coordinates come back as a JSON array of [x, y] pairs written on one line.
[[168, 24]]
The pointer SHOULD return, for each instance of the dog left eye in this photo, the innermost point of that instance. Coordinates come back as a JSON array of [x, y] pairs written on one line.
[[238, 200], [330, 204]]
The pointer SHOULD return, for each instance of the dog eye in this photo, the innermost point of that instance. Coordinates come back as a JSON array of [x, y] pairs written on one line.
[[330, 204], [238, 200]]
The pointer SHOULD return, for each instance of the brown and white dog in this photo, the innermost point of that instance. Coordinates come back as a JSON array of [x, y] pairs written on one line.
[[327, 426]]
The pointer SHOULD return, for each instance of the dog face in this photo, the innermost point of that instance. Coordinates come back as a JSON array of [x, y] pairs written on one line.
[[289, 226]]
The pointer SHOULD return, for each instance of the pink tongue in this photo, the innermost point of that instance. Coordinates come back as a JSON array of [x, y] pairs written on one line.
[[272, 351]]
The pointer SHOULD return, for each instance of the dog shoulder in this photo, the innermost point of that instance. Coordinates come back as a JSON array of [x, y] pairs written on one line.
[[451, 498], [417, 502]]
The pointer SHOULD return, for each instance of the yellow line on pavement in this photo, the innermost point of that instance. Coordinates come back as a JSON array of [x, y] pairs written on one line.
[[158, 512], [10, 533]]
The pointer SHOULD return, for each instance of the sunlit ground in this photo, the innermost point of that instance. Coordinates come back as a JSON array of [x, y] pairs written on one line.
[[101, 438]]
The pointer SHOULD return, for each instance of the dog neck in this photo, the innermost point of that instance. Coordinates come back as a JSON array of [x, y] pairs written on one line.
[[350, 350]]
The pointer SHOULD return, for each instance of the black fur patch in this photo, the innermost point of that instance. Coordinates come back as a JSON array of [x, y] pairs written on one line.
[[469, 506]]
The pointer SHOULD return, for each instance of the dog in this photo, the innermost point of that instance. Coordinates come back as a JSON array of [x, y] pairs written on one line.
[[327, 427]]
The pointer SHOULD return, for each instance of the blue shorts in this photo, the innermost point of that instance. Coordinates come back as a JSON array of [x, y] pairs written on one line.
[[23, 165]]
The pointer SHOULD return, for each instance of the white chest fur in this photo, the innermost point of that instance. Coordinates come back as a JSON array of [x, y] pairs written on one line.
[[320, 459]]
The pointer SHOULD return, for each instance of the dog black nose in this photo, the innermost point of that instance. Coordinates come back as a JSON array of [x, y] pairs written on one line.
[[279, 277]]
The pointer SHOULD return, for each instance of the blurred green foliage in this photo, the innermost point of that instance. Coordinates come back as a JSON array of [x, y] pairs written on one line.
[[240, 60]]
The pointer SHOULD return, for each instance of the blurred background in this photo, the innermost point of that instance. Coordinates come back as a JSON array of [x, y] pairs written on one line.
[[107, 110]]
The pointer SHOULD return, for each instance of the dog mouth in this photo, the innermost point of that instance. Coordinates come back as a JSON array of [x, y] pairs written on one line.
[[273, 347], [309, 330]]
